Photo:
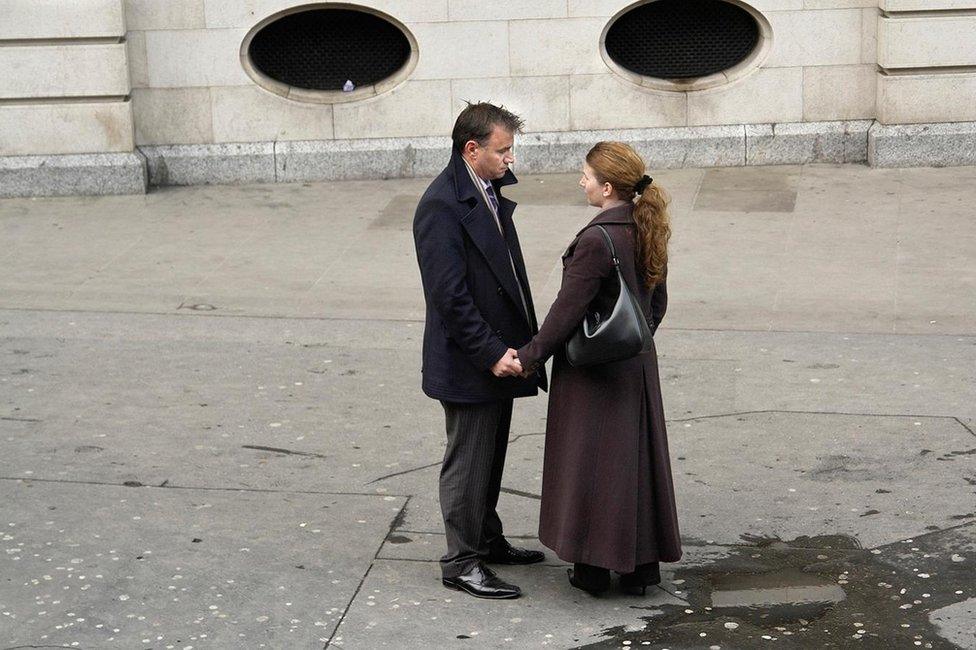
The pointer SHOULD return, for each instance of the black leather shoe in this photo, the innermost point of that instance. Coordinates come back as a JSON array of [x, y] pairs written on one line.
[[482, 582], [508, 554]]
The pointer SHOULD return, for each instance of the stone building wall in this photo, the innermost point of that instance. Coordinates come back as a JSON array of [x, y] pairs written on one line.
[[159, 86]]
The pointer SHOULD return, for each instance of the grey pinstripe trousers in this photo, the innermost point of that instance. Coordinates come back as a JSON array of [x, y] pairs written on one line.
[[471, 477]]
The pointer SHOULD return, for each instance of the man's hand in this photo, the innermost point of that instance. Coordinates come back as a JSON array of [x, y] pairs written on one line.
[[508, 365]]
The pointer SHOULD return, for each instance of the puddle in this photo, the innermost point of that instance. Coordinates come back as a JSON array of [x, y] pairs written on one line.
[[776, 597], [811, 592]]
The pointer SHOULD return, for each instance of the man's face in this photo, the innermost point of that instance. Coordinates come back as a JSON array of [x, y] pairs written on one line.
[[491, 161]]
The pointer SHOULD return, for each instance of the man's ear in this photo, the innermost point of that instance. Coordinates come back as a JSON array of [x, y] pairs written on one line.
[[607, 189], [470, 147]]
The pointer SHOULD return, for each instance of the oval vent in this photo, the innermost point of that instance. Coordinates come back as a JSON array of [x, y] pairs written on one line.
[[680, 40], [314, 53]]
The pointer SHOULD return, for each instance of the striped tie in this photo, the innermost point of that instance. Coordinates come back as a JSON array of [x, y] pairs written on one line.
[[490, 192]]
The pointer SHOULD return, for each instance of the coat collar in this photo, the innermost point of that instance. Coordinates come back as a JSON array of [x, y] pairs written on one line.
[[464, 187], [622, 214]]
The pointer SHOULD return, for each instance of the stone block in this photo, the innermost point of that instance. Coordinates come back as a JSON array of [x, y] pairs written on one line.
[[72, 175], [554, 47], [156, 14], [803, 143], [417, 108], [808, 38], [541, 153], [926, 5], [247, 13], [438, 44], [41, 129], [135, 50], [838, 4], [847, 92], [543, 102], [922, 145], [605, 101], [869, 35], [927, 42], [361, 159], [595, 8], [765, 6], [249, 114], [608, 8], [183, 58], [172, 115], [766, 96], [210, 164], [505, 9], [40, 19], [87, 70], [920, 98]]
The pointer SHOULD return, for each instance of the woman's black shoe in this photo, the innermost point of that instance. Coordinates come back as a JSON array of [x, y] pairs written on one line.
[[643, 576], [593, 580]]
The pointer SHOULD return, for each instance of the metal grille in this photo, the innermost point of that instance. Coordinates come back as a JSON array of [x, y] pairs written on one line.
[[322, 48], [681, 39]]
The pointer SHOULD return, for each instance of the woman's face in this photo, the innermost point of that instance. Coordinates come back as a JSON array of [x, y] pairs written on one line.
[[596, 192]]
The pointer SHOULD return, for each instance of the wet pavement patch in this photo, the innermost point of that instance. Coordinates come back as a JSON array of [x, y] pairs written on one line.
[[774, 597], [819, 592]]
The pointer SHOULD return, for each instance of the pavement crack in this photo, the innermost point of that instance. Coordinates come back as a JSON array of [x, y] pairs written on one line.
[[525, 435], [397, 520], [280, 450], [166, 486], [965, 426], [520, 493], [196, 314], [713, 416], [406, 471]]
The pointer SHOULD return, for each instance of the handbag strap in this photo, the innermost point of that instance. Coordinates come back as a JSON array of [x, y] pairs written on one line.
[[606, 235]]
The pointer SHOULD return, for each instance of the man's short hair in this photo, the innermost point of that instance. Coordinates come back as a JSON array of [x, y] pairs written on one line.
[[477, 121]]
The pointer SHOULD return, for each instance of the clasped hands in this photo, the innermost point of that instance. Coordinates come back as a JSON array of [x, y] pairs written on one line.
[[509, 366]]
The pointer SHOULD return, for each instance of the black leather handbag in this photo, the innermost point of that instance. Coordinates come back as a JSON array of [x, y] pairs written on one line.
[[622, 334]]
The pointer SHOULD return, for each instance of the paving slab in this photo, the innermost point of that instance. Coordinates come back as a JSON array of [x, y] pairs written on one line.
[[955, 623], [402, 605], [97, 566], [875, 479]]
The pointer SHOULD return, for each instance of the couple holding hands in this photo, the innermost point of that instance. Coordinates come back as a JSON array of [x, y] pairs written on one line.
[[607, 495]]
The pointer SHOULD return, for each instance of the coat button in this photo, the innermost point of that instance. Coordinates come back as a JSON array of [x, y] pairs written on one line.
[[499, 291]]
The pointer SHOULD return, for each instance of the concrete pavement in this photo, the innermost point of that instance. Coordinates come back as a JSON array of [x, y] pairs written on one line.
[[213, 434]]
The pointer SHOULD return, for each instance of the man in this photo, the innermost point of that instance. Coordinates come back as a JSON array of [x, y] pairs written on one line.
[[479, 309]]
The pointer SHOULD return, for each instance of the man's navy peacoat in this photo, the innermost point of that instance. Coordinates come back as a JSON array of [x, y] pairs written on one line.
[[474, 309]]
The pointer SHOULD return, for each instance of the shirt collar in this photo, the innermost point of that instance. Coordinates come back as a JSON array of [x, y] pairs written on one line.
[[485, 184]]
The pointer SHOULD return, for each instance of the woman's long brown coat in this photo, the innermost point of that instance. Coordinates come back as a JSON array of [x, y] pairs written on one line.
[[607, 494]]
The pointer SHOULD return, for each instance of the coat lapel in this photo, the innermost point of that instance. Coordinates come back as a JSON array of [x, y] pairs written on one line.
[[505, 213], [480, 226], [483, 231]]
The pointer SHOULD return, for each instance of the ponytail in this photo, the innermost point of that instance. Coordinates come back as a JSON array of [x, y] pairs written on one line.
[[653, 232]]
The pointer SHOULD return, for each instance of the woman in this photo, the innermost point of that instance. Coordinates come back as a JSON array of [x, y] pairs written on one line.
[[607, 495]]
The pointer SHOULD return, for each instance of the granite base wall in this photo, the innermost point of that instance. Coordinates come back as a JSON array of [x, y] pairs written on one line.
[[860, 141], [73, 175]]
